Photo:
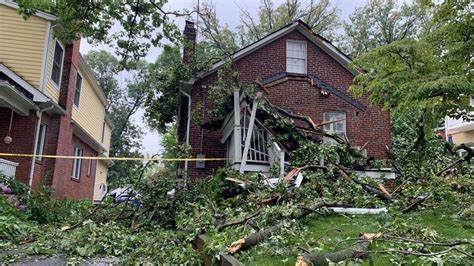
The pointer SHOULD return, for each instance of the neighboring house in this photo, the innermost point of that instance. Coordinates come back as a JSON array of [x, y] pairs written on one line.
[[301, 72], [459, 131], [50, 104]]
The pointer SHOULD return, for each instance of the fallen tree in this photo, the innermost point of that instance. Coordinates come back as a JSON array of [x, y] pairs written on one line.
[[255, 238]]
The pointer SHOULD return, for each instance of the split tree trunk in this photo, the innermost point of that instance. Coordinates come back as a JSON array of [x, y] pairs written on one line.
[[357, 250], [255, 238]]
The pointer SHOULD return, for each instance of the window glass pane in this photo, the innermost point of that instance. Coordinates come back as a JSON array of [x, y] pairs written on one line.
[[40, 141], [296, 57], [77, 94], [57, 62]]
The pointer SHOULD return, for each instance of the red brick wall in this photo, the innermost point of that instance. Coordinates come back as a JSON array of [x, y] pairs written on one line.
[[64, 186], [72, 188], [59, 140], [23, 135], [372, 126]]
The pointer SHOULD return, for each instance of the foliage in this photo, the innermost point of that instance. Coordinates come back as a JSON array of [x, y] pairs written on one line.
[[429, 74], [321, 16], [171, 148], [131, 27], [14, 229], [166, 77], [381, 22]]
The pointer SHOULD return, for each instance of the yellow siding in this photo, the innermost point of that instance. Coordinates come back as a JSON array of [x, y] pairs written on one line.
[[22, 44], [100, 178], [463, 137], [91, 112], [107, 135], [51, 89]]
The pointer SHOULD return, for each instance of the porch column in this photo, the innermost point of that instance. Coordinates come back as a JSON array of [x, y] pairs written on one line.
[[249, 132], [237, 136]]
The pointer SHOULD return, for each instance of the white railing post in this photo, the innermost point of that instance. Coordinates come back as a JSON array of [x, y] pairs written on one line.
[[249, 132], [237, 130]]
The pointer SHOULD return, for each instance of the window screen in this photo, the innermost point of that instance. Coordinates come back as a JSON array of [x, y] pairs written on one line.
[[296, 57], [57, 63]]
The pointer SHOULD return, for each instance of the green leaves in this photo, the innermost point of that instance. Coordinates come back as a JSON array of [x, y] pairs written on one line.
[[429, 73], [131, 27]]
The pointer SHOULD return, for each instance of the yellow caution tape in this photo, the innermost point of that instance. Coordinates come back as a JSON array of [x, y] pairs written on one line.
[[112, 158]]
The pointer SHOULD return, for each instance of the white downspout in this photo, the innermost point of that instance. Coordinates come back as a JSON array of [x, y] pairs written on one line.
[[187, 126], [39, 114]]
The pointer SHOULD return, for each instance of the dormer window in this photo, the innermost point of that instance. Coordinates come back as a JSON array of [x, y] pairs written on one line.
[[296, 56]]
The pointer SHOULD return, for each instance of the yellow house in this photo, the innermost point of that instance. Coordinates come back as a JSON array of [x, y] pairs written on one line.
[[459, 130], [50, 104]]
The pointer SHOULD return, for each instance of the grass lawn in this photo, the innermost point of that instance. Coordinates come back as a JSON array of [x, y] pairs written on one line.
[[324, 233]]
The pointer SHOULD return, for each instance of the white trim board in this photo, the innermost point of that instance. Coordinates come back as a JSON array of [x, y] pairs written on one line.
[[40, 14]]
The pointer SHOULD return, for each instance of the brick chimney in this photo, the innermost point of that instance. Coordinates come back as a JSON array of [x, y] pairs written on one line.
[[189, 41]]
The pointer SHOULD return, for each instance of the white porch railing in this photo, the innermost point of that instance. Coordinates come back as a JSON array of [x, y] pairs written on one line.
[[8, 168], [258, 150]]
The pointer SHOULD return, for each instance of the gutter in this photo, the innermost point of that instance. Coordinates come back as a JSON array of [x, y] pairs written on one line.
[[187, 125], [39, 114]]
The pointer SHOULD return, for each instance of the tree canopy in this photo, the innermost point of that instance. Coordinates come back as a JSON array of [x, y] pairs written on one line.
[[432, 73]]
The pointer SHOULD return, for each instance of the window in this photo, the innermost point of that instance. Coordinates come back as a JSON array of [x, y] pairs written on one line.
[[472, 101], [296, 57], [89, 168], [338, 128], [77, 93], [103, 132], [57, 64], [76, 164], [40, 141]]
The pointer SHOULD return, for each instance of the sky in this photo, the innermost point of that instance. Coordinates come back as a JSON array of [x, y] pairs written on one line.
[[227, 13]]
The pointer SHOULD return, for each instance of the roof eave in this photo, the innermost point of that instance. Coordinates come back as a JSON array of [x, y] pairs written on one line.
[[41, 14], [325, 45]]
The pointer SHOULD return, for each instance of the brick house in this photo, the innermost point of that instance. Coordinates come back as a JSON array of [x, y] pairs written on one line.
[[302, 72], [50, 104]]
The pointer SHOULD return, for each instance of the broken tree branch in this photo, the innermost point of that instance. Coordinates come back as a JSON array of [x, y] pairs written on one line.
[[357, 250], [416, 203], [255, 238], [247, 218]]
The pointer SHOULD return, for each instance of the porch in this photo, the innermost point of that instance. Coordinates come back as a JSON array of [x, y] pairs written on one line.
[[249, 145], [21, 108]]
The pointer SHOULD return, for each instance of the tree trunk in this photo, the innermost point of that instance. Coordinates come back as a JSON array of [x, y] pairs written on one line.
[[357, 250], [255, 238]]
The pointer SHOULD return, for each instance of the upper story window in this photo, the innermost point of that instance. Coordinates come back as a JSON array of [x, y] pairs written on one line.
[[57, 64], [76, 164], [338, 127], [296, 56], [77, 93]]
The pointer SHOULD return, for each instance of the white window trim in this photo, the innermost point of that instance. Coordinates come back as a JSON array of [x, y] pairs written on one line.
[[75, 83], [57, 86], [89, 168], [77, 163], [344, 122], [39, 151], [305, 55]]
